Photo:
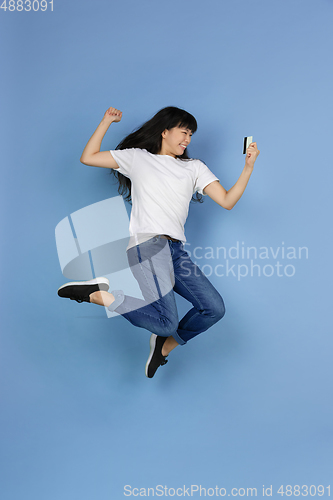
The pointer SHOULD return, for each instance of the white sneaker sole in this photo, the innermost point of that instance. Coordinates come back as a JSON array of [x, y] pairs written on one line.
[[95, 281], [152, 344]]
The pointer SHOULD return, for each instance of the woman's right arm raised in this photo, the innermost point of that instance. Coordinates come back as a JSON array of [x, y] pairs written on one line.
[[91, 154]]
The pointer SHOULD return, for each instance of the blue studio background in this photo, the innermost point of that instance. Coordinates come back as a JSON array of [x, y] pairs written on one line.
[[249, 402]]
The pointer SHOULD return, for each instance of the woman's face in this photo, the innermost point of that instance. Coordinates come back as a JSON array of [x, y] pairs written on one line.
[[175, 141]]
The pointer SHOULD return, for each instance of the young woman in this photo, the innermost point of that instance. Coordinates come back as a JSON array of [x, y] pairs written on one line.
[[154, 170]]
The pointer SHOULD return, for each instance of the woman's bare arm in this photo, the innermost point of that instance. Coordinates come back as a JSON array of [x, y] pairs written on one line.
[[91, 154], [228, 199]]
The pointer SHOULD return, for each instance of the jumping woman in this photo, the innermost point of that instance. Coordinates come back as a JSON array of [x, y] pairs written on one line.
[[154, 172]]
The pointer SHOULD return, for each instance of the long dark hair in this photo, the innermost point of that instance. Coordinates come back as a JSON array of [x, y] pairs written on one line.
[[149, 137]]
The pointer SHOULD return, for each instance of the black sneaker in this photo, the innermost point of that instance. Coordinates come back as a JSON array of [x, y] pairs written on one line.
[[80, 290], [156, 357]]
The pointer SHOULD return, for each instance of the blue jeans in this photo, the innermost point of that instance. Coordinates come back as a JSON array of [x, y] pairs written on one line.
[[162, 267]]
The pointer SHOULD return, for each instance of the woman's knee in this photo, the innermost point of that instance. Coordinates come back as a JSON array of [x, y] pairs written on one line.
[[216, 308]]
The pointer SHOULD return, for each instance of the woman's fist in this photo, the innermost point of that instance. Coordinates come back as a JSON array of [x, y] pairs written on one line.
[[113, 115], [252, 154]]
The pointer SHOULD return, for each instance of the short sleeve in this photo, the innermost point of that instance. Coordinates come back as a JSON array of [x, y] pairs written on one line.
[[124, 160], [204, 177]]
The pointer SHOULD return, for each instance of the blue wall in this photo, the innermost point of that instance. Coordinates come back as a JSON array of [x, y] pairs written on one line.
[[248, 403]]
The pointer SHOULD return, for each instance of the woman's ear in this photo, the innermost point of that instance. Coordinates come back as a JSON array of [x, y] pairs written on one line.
[[164, 133]]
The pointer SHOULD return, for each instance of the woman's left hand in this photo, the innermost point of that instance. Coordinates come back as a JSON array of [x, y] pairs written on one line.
[[252, 154]]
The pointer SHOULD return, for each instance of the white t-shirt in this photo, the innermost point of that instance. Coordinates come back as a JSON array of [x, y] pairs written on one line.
[[162, 188]]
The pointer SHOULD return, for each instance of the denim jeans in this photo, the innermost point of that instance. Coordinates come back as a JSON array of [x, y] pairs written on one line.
[[162, 267]]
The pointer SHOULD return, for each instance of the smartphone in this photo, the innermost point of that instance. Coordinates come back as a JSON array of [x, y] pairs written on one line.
[[246, 143]]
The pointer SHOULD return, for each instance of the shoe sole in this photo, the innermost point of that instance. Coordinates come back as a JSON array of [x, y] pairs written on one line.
[[152, 344], [103, 284]]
